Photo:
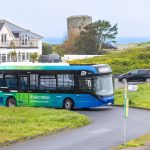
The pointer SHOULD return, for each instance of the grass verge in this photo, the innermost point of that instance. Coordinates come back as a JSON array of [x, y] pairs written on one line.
[[19, 123], [137, 142], [140, 99]]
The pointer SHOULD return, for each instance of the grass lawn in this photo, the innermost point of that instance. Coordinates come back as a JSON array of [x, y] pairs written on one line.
[[141, 99], [19, 123]]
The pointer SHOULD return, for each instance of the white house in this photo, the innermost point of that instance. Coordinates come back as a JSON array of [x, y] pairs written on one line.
[[16, 39]]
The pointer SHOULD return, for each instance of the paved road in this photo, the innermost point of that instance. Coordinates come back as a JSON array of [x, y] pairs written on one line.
[[118, 84], [106, 130]]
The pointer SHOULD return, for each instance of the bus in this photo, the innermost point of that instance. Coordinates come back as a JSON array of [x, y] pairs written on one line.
[[56, 85]]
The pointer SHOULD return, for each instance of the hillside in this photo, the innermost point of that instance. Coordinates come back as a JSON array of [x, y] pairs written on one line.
[[122, 61]]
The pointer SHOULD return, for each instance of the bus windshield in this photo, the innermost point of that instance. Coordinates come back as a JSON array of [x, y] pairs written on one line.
[[103, 85]]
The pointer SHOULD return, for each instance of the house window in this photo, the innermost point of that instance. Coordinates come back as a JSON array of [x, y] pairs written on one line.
[[3, 57], [3, 38], [25, 38]]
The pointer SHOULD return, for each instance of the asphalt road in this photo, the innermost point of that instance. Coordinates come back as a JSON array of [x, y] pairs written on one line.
[[106, 130], [118, 84]]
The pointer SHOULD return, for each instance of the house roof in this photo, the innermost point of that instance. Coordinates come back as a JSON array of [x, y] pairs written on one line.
[[1, 25], [16, 29]]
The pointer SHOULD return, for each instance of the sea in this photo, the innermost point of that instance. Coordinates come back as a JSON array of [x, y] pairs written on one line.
[[119, 40]]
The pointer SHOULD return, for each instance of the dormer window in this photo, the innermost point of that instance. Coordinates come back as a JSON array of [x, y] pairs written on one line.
[[25, 37], [16, 35]]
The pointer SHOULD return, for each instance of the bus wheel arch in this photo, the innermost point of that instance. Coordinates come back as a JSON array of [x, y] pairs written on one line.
[[68, 103], [11, 101]]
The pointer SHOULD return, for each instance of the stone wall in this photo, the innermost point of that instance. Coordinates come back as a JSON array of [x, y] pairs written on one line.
[[75, 24]]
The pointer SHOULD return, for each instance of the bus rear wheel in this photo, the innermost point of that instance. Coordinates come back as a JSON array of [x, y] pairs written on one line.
[[68, 104], [11, 102]]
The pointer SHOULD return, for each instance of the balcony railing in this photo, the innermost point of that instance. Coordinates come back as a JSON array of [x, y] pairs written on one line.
[[19, 44]]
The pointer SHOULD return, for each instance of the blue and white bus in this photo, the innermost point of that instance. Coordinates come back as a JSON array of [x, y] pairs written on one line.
[[57, 85]]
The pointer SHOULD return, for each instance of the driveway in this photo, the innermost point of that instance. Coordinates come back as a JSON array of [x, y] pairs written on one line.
[[106, 130]]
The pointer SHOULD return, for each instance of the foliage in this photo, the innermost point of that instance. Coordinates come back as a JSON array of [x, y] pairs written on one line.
[[141, 98], [33, 56], [69, 45], [46, 49], [13, 54], [94, 35], [58, 49], [86, 44], [12, 45], [122, 61], [21, 123]]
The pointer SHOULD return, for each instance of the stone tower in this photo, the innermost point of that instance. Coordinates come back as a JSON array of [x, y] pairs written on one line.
[[75, 24]]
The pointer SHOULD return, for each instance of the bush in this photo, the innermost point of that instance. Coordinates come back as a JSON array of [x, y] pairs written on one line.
[[124, 61]]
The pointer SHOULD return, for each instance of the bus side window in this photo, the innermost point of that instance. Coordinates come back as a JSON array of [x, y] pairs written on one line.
[[34, 81], [47, 82], [11, 82], [1, 80], [85, 83], [24, 83], [65, 81]]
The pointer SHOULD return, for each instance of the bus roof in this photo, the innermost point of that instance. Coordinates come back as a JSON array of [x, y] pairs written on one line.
[[51, 66], [33, 64]]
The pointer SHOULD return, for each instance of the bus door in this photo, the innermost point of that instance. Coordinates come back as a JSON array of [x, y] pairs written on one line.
[[24, 89]]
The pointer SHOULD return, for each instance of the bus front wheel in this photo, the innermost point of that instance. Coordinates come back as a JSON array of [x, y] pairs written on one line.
[[68, 104], [11, 102]]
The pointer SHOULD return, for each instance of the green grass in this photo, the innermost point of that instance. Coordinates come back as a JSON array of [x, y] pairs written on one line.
[[122, 61], [140, 99], [19, 123], [136, 142]]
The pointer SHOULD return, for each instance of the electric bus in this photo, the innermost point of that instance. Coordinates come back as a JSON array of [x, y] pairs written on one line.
[[56, 85]]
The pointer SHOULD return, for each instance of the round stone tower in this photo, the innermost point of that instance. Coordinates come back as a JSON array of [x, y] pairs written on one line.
[[75, 24]]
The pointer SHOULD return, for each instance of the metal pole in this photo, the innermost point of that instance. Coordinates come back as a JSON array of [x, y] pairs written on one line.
[[125, 112], [124, 140]]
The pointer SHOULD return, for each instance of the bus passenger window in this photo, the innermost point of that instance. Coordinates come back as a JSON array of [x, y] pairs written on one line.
[[24, 83], [1, 80], [11, 82], [47, 82], [34, 81], [65, 81]]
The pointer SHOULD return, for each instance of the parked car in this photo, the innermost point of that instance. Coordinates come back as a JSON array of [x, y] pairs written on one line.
[[51, 58], [137, 75]]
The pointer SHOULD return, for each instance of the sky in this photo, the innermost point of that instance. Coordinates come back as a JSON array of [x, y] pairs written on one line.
[[48, 17]]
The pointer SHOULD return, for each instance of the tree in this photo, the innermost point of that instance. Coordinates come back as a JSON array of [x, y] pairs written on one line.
[[46, 49], [69, 46], [104, 31], [86, 44], [34, 56], [13, 55], [95, 35]]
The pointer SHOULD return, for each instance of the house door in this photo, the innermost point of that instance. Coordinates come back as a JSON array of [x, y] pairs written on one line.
[[24, 89]]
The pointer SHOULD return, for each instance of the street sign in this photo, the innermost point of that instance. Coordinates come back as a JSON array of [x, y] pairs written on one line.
[[132, 88]]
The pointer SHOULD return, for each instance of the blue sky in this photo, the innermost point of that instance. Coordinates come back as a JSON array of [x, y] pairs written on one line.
[[48, 17]]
